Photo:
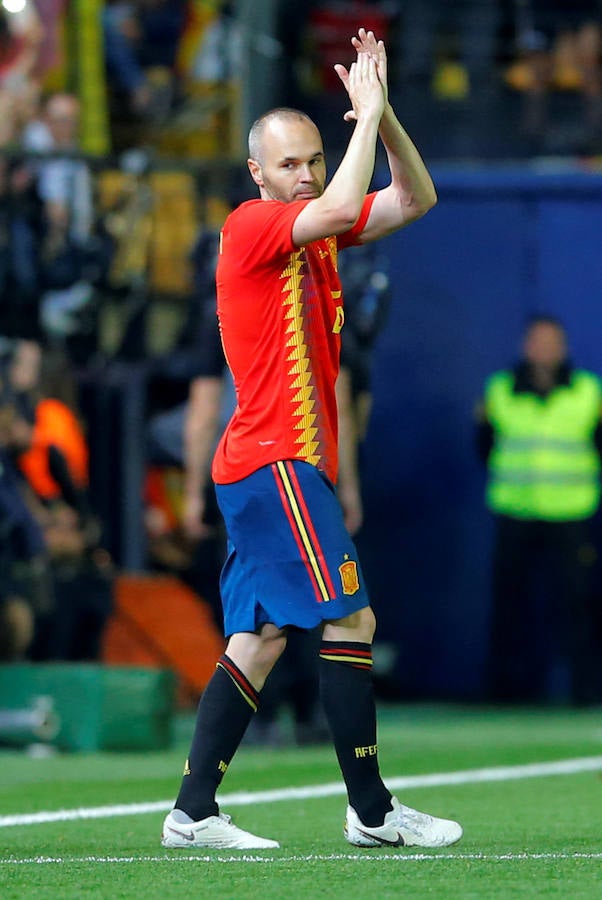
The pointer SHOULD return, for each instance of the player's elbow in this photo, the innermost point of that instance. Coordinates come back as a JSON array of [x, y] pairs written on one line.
[[323, 218], [417, 208], [343, 211], [422, 204], [343, 216], [431, 199]]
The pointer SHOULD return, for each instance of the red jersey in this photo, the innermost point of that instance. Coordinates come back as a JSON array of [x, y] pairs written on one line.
[[280, 311]]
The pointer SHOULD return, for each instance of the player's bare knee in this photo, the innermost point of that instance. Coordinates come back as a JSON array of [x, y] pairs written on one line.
[[359, 626], [256, 653], [273, 642]]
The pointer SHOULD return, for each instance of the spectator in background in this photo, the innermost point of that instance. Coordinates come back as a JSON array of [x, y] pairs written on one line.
[[64, 184], [364, 276], [540, 432], [141, 44], [82, 575], [54, 458], [186, 435], [47, 429], [561, 42], [20, 240], [446, 64], [44, 438], [25, 591], [473, 23]]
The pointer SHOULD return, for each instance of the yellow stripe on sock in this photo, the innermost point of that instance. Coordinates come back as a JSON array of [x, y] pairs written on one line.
[[249, 700], [357, 660]]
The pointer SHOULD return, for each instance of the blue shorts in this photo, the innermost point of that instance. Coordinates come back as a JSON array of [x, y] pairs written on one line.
[[290, 559]]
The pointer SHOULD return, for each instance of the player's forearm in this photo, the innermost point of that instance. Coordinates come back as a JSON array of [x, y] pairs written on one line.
[[197, 458], [351, 182], [348, 483], [347, 431], [200, 432], [409, 176], [348, 473]]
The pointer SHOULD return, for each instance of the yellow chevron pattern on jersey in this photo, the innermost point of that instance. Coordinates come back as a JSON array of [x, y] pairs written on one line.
[[298, 358]]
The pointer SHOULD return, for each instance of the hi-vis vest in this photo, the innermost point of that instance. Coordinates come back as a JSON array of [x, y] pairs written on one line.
[[544, 464]]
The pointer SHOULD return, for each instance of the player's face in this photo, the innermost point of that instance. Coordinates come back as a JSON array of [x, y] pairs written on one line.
[[292, 166], [545, 345]]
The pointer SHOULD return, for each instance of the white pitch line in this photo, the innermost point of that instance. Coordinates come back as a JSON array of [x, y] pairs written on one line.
[[244, 798], [367, 857]]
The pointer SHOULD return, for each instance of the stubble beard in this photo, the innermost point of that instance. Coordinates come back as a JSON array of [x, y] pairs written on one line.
[[275, 193]]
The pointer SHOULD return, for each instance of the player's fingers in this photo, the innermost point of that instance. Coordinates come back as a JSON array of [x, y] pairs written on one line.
[[367, 38], [342, 73], [351, 77], [364, 64], [370, 67]]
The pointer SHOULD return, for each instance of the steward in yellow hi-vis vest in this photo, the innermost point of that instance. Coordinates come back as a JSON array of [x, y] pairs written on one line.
[[544, 463], [540, 433]]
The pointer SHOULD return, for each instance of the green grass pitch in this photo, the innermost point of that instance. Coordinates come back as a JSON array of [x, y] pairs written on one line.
[[533, 836]]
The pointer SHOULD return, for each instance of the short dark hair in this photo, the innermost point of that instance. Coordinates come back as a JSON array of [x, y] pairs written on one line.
[[258, 126]]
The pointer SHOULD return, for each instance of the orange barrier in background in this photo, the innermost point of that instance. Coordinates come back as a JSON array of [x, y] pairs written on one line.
[[158, 621]]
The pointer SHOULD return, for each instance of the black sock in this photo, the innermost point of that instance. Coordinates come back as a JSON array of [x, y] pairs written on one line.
[[224, 712], [348, 699]]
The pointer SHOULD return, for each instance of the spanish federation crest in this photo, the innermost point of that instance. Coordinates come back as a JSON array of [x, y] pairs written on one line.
[[349, 577], [332, 247]]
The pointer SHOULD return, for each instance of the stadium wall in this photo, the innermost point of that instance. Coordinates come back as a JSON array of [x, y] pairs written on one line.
[[501, 245]]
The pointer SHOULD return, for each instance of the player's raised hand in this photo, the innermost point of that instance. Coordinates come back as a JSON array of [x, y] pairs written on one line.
[[366, 42], [363, 86], [366, 46]]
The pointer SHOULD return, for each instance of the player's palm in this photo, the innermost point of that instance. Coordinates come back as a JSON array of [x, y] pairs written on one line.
[[366, 45]]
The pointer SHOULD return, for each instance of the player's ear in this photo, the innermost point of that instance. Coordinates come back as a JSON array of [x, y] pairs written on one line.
[[255, 170]]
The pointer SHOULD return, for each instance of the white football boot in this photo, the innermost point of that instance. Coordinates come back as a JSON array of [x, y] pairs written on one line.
[[217, 832], [403, 827]]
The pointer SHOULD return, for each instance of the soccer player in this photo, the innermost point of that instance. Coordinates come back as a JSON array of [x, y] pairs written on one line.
[[291, 561]]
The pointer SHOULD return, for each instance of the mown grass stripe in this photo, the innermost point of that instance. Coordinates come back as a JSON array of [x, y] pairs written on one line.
[[245, 798]]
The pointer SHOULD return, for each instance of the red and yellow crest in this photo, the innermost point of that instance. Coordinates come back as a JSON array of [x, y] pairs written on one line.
[[332, 249], [349, 577]]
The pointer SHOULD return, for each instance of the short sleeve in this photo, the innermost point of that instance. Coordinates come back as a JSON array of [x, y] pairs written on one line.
[[349, 238]]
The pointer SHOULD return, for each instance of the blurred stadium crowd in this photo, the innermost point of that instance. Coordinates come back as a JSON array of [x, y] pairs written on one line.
[[120, 133]]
